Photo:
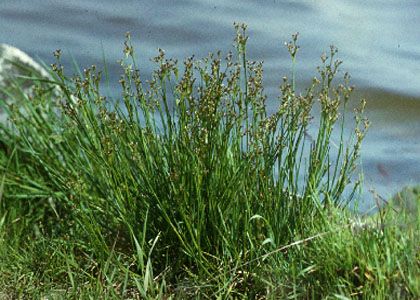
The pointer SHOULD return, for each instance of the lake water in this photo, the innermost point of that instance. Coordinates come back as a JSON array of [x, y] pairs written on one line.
[[378, 41]]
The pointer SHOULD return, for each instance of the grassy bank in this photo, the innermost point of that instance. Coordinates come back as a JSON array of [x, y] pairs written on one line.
[[187, 188]]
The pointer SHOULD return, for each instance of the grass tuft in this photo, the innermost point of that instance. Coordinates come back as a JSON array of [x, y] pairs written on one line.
[[187, 187]]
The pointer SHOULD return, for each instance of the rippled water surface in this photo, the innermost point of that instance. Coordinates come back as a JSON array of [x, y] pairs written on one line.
[[379, 42]]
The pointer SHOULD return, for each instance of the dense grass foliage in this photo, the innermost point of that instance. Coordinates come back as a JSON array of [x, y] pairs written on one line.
[[187, 187]]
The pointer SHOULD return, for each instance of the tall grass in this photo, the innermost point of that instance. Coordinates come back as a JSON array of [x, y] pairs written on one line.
[[188, 187]]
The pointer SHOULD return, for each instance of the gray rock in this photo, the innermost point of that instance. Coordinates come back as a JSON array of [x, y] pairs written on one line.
[[15, 68], [404, 207], [408, 200]]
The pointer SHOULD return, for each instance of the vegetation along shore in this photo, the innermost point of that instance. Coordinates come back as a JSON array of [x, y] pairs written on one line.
[[186, 186]]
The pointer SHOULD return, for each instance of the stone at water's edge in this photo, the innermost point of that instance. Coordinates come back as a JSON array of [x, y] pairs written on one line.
[[14, 64], [408, 199], [404, 206]]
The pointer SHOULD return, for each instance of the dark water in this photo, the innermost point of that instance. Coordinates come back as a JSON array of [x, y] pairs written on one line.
[[379, 42]]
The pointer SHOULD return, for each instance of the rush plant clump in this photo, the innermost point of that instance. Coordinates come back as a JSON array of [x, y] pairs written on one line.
[[185, 186]]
